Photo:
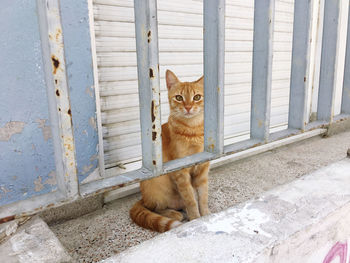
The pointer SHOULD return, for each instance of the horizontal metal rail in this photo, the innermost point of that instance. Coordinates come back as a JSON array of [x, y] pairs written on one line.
[[115, 182]]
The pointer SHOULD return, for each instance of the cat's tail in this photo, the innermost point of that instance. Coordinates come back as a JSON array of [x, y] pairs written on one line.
[[150, 220]]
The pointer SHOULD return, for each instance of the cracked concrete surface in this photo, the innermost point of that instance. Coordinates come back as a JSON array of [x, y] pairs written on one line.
[[31, 243], [107, 231], [298, 222]]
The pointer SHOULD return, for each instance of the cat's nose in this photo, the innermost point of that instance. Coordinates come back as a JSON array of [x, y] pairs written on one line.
[[188, 108]]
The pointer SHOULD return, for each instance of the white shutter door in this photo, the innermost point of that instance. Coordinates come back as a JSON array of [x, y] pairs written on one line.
[[181, 46]]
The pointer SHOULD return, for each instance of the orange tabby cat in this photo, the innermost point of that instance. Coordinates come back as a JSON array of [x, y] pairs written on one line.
[[182, 135]]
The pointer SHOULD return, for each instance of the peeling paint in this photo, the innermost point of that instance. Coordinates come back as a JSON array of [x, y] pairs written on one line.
[[38, 184], [93, 157], [11, 128], [46, 129], [4, 189], [87, 168], [90, 91], [92, 122], [52, 178]]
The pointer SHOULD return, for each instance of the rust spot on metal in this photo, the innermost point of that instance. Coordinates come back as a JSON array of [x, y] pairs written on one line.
[[58, 33], [55, 63], [154, 162], [57, 93], [153, 126], [149, 36], [211, 147], [69, 112], [153, 116], [6, 219], [151, 75], [121, 185], [154, 135]]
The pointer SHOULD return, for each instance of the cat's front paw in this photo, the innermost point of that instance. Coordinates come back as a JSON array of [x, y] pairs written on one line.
[[194, 215], [205, 212]]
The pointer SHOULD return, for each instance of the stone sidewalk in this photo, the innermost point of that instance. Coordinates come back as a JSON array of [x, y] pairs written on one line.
[[302, 221], [108, 231]]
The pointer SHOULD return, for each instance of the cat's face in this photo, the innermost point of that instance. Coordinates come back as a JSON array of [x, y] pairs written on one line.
[[186, 99]]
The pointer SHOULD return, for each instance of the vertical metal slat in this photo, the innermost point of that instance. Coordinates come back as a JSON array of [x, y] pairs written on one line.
[[148, 80], [326, 92], [214, 67], [300, 65], [345, 105], [264, 11], [58, 97]]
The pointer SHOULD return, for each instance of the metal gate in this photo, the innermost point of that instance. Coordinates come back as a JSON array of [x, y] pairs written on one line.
[[148, 75]]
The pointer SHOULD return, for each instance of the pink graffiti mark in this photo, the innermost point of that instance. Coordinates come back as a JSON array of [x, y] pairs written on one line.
[[339, 249]]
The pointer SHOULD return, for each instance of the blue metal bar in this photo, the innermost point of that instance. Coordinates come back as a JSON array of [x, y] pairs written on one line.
[[300, 65], [214, 69], [59, 106], [345, 105], [328, 59], [264, 11], [148, 79]]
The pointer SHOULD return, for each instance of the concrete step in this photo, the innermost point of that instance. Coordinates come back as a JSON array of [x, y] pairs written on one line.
[[303, 221], [33, 242], [109, 231]]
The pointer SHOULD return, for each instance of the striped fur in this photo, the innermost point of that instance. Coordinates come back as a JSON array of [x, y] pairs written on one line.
[[150, 220], [182, 135]]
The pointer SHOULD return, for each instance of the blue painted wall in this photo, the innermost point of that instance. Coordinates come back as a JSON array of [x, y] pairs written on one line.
[[27, 165]]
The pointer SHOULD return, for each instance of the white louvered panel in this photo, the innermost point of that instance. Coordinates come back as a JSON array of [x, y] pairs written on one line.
[[232, 82], [125, 59], [181, 46], [131, 126], [285, 9]]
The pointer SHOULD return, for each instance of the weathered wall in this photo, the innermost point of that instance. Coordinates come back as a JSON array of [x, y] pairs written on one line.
[[27, 165], [27, 152]]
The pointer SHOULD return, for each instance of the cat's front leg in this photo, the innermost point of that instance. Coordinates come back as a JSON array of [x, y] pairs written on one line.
[[182, 180], [200, 183]]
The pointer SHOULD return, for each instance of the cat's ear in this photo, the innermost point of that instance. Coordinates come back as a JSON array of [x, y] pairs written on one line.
[[171, 79], [200, 80]]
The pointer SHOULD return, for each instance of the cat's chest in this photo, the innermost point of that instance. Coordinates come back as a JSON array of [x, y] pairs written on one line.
[[188, 147]]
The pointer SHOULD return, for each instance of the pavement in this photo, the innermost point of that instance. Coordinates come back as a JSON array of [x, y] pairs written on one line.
[[108, 231], [302, 221]]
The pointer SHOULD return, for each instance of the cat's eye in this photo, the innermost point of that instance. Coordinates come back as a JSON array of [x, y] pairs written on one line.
[[178, 98], [197, 97]]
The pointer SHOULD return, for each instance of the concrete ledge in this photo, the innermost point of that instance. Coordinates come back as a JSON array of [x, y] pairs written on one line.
[[72, 210], [304, 221], [340, 124], [33, 242]]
